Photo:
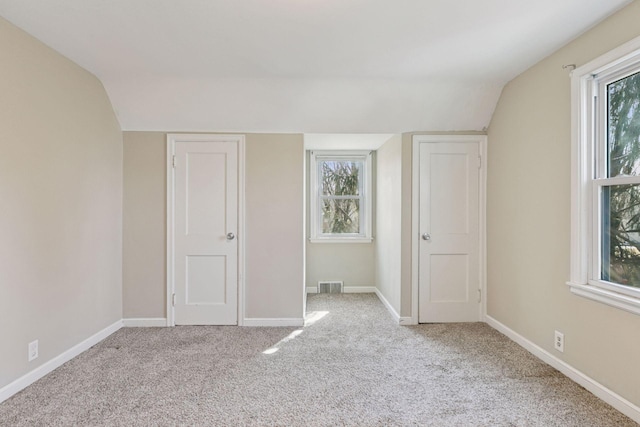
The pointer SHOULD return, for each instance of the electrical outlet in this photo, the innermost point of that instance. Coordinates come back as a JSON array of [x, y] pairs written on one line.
[[558, 342], [33, 350]]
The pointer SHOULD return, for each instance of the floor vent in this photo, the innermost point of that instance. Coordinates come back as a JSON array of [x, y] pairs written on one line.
[[334, 287]]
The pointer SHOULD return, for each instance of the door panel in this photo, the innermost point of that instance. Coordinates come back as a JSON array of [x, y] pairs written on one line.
[[450, 271], [201, 271], [206, 178], [451, 212], [206, 210], [449, 257]]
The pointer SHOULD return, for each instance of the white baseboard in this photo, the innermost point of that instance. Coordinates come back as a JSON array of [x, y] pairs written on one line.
[[42, 370], [406, 321], [620, 403], [387, 304], [359, 289], [347, 289], [144, 322], [295, 322]]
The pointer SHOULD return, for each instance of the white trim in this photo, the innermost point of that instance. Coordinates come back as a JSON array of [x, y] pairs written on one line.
[[484, 161], [304, 231], [144, 322], [387, 304], [406, 321], [347, 289], [613, 299], [241, 229], [359, 289], [585, 253], [602, 392], [415, 229], [482, 141], [170, 229], [241, 238], [579, 175], [42, 370], [366, 196], [273, 322]]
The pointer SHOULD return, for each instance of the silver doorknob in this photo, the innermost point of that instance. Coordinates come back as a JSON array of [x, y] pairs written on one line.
[[230, 236], [426, 236]]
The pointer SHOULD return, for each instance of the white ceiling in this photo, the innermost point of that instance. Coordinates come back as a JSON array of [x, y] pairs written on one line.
[[345, 66]]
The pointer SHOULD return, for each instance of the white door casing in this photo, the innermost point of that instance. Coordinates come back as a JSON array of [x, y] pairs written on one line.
[[204, 229], [449, 231]]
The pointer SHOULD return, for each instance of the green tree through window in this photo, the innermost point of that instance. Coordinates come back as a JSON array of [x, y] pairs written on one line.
[[621, 203], [340, 197]]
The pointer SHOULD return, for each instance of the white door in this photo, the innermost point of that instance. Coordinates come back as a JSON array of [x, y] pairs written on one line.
[[205, 227], [449, 248]]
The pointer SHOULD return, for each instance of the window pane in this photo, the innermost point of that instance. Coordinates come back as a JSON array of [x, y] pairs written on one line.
[[340, 216], [340, 178], [623, 126], [621, 234]]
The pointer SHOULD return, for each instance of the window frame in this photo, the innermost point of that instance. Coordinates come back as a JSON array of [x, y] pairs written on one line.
[[365, 213], [589, 174]]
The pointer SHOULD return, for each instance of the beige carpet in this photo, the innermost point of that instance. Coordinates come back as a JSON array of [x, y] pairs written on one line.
[[353, 366]]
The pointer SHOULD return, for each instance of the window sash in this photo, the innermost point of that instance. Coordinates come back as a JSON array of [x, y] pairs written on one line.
[[361, 207], [317, 196], [587, 166], [600, 138], [361, 172], [597, 233], [599, 149]]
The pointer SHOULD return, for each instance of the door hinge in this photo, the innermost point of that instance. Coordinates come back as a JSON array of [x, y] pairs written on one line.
[[173, 300], [173, 161], [479, 295], [479, 162]]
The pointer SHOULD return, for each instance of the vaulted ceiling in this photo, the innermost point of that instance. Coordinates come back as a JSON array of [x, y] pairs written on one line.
[[305, 65]]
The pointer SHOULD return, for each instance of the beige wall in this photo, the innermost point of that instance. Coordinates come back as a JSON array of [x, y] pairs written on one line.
[[144, 225], [274, 225], [275, 234], [354, 263], [60, 204], [389, 221], [529, 219]]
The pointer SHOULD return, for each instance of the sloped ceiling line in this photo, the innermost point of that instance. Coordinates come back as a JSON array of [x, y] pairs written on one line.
[[306, 66]]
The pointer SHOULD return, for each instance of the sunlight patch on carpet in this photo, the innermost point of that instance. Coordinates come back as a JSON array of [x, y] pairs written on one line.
[[273, 349]]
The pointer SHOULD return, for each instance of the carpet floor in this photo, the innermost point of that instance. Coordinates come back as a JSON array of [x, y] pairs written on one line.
[[351, 365]]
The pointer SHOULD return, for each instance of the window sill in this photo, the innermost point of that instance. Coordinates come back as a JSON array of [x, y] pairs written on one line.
[[614, 299], [341, 240]]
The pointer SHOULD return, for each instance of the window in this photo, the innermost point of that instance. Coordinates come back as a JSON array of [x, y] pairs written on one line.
[[340, 196], [605, 251]]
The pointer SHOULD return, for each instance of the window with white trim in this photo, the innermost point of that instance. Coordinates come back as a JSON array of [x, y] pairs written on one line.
[[340, 196], [605, 251]]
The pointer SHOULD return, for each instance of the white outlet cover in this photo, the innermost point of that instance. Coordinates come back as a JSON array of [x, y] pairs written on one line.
[[558, 342], [33, 350]]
